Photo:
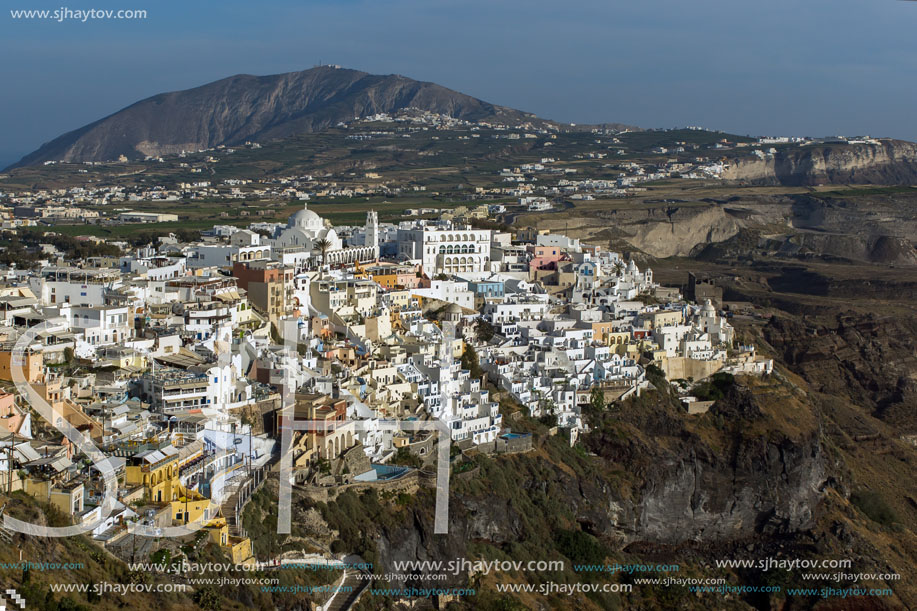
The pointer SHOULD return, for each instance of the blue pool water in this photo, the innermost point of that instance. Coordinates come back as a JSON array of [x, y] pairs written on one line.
[[384, 472]]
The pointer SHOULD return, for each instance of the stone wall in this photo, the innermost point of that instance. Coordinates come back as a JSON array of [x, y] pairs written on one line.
[[408, 483], [261, 414], [681, 368], [351, 462], [513, 444], [424, 447]]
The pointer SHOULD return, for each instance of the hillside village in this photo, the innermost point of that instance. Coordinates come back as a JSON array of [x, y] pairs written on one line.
[[560, 164], [178, 359]]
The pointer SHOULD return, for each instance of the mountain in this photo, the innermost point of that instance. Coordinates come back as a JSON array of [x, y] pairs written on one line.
[[244, 107]]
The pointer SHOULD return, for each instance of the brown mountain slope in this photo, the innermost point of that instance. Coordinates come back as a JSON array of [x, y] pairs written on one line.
[[245, 107]]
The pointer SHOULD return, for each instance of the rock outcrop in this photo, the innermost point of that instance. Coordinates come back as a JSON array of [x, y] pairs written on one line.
[[725, 484], [888, 162]]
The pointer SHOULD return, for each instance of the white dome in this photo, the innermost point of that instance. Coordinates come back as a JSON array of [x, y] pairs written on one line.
[[306, 219], [327, 234]]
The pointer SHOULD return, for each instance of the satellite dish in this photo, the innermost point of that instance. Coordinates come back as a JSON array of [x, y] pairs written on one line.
[[178, 308]]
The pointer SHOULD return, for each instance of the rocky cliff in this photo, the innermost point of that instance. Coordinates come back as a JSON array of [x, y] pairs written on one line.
[[867, 357], [844, 224], [656, 477], [888, 162]]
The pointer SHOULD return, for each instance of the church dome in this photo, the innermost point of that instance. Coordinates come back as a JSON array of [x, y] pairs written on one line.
[[306, 219], [327, 233]]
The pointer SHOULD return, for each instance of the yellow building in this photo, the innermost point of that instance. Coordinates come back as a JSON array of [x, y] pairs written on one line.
[[604, 332], [66, 497], [32, 364], [386, 281], [402, 299], [157, 472], [664, 318], [238, 548]]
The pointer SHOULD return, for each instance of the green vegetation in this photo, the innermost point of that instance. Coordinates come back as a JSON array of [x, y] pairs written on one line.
[[867, 191], [645, 140], [260, 522], [656, 376], [484, 330], [25, 247], [357, 516], [580, 547], [470, 361], [597, 399], [874, 506], [715, 388], [405, 458]]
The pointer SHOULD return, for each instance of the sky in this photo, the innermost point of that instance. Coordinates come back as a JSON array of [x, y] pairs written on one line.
[[782, 67]]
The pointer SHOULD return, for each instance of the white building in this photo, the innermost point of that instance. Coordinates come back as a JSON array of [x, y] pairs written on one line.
[[101, 325], [224, 255], [446, 248], [73, 285]]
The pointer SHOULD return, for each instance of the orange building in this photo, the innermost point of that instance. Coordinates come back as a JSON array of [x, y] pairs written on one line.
[[32, 364]]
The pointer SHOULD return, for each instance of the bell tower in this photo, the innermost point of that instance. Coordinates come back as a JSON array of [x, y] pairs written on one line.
[[372, 232]]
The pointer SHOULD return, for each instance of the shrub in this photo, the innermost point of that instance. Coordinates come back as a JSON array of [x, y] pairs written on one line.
[[655, 375], [874, 506], [579, 547], [715, 388]]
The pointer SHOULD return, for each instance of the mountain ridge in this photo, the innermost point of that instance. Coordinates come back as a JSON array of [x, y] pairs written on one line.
[[248, 107]]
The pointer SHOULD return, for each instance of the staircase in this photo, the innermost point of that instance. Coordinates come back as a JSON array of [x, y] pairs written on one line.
[[229, 508], [344, 601]]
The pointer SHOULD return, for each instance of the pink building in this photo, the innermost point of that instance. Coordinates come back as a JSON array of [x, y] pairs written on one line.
[[13, 419], [545, 257]]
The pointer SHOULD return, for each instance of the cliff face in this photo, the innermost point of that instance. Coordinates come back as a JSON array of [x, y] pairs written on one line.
[[875, 227], [867, 357], [889, 162], [728, 476], [715, 479], [764, 487], [245, 107]]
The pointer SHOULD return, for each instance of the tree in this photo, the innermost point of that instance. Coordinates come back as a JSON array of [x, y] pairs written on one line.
[[484, 330], [619, 267], [470, 361], [656, 376], [597, 399], [208, 598], [323, 245]]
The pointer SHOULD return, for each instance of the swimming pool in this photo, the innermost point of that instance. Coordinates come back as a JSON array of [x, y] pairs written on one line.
[[385, 472]]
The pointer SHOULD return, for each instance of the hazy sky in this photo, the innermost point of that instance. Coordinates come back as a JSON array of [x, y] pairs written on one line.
[[782, 67]]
